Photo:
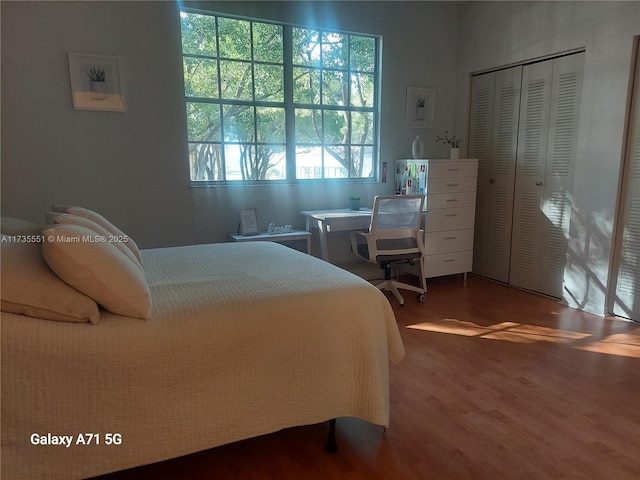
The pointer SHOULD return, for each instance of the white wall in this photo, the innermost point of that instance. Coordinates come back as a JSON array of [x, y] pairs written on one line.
[[500, 33], [132, 166]]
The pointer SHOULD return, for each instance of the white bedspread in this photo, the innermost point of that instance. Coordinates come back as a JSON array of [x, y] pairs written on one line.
[[244, 339]]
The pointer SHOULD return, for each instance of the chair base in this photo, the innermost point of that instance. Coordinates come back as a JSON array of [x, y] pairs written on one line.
[[394, 285]]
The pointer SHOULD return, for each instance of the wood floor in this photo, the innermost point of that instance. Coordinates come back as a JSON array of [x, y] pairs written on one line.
[[497, 384]]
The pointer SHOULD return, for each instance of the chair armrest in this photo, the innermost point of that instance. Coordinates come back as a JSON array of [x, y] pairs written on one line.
[[420, 240], [356, 235], [354, 241]]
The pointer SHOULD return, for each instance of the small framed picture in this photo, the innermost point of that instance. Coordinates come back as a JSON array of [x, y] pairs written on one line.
[[419, 109], [95, 82], [249, 222]]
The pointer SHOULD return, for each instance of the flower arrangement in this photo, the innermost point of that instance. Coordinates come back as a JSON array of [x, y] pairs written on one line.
[[420, 102], [452, 141]]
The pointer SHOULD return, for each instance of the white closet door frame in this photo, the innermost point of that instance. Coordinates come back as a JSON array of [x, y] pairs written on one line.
[[624, 293]]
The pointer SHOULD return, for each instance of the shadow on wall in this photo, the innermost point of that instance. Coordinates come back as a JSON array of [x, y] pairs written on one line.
[[585, 280]]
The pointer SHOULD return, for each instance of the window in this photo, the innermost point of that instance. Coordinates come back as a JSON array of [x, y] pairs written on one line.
[[272, 102]]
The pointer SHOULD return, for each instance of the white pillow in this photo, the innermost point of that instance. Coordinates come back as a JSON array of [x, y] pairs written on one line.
[[103, 233], [98, 270], [29, 287], [103, 222]]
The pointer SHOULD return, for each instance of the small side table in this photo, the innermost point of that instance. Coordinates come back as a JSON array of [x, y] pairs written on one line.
[[276, 237]]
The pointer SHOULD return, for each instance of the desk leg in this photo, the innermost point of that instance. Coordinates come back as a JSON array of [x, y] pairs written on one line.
[[324, 247], [319, 224]]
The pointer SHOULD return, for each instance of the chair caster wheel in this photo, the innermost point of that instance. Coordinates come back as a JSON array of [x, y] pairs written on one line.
[[421, 297]]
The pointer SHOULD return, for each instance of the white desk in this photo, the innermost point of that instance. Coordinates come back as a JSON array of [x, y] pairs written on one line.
[[276, 237], [344, 219]]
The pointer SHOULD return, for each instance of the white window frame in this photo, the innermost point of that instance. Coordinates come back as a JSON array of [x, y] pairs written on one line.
[[289, 108]]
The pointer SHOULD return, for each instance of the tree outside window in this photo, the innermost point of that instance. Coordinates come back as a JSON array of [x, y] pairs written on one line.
[[247, 122]]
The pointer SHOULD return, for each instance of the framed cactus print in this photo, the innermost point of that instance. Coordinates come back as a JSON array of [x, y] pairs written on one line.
[[95, 82], [420, 103]]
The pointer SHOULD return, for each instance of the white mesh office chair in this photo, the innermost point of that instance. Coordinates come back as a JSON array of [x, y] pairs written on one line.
[[394, 236]]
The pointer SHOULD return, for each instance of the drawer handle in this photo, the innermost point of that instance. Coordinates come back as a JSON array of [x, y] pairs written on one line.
[[451, 215], [453, 169], [450, 238], [449, 260], [453, 184], [452, 200]]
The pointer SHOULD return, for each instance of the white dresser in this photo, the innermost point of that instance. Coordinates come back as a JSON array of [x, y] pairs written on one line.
[[450, 202]]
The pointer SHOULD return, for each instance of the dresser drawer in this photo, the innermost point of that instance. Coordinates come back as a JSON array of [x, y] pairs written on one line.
[[453, 168], [448, 263], [453, 184], [449, 219], [450, 200], [447, 242]]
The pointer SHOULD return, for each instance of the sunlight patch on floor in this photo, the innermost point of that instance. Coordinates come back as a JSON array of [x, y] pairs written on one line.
[[618, 344], [507, 331]]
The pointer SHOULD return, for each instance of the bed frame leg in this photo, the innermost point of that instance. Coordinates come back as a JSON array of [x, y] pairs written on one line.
[[331, 446]]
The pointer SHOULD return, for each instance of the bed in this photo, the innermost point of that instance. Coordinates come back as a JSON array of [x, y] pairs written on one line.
[[243, 339]]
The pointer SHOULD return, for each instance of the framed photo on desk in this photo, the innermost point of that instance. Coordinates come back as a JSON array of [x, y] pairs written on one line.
[[249, 222]]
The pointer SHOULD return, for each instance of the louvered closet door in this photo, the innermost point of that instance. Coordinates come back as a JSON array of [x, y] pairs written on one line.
[[626, 299], [495, 103], [549, 114]]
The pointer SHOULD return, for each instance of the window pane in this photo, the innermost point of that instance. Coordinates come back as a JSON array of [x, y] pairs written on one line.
[[200, 77], [198, 34], [336, 164], [267, 43], [205, 162], [308, 126], [235, 38], [306, 85], [271, 124], [336, 126], [236, 80], [238, 123], [363, 51], [334, 50], [269, 82], [362, 87], [362, 161], [308, 162], [362, 127], [234, 159], [203, 122], [334, 88], [246, 162], [272, 159], [306, 46]]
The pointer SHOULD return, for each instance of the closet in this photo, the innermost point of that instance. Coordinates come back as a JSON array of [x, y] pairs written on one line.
[[625, 297], [523, 129]]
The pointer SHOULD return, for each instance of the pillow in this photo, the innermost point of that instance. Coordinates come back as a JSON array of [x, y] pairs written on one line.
[[68, 219], [17, 226], [97, 269], [103, 222], [29, 287]]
